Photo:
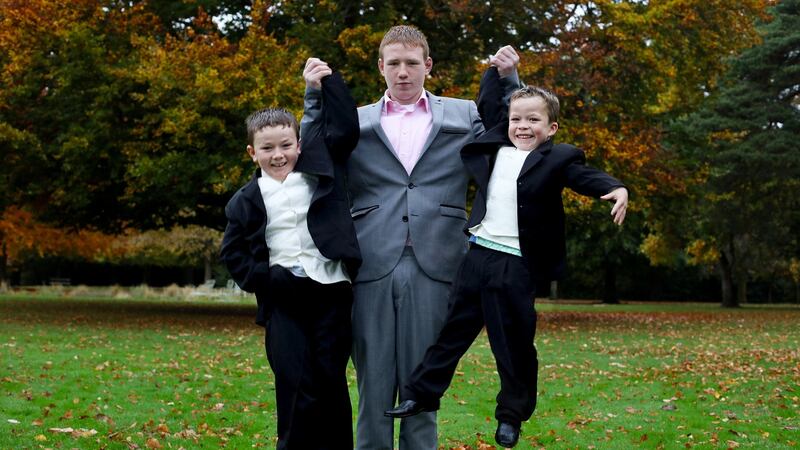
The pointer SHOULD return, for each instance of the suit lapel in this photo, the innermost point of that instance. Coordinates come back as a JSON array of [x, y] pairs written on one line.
[[375, 122], [536, 157], [437, 111], [252, 193]]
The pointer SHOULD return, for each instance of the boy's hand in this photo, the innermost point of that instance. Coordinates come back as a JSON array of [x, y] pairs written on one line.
[[620, 198], [315, 70], [506, 60]]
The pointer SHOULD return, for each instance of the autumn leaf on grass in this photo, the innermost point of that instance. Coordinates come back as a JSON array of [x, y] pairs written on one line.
[[105, 419], [153, 443]]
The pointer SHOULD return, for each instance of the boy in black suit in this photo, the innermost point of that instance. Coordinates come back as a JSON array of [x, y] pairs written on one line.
[[290, 240], [517, 241]]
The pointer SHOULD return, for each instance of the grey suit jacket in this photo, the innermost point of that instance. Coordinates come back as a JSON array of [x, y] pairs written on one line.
[[428, 206]]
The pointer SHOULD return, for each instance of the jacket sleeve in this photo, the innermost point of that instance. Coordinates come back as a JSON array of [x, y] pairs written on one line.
[[587, 180], [249, 272], [312, 122], [340, 117], [494, 96]]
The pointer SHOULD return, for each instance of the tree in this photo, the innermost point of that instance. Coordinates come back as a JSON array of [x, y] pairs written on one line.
[[617, 67], [745, 141], [187, 152]]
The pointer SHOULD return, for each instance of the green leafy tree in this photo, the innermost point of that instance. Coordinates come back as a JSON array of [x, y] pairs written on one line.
[[745, 142]]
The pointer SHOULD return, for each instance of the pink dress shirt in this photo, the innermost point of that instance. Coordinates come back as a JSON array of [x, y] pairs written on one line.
[[407, 127]]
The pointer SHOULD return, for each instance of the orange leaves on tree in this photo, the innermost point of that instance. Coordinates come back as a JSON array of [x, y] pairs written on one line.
[[22, 235]]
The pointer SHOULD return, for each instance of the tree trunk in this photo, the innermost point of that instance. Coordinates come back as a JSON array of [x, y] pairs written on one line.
[[741, 290], [726, 278], [4, 281], [553, 290], [207, 273], [610, 286]]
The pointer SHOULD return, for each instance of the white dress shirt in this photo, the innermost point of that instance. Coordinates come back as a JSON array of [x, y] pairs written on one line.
[[500, 225], [289, 241]]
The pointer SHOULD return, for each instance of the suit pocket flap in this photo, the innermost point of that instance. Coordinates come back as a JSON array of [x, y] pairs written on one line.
[[453, 211], [361, 212], [454, 130]]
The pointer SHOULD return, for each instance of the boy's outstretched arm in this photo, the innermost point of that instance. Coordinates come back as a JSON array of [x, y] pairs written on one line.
[[620, 198]]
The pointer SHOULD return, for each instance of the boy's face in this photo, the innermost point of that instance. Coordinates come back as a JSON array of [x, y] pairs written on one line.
[[404, 69], [528, 123], [275, 150]]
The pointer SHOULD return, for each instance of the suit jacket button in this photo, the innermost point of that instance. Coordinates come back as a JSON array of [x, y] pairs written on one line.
[[405, 218], [411, 185]]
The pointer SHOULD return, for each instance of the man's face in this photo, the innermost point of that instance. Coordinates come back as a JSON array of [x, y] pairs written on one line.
[[405, 69], [528, 123], [275, 150]]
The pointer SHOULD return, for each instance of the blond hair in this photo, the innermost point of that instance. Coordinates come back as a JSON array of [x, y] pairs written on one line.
[[407, 35]]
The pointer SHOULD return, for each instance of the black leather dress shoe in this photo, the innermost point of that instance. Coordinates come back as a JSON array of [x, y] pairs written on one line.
[[506, 435], [407, 408]]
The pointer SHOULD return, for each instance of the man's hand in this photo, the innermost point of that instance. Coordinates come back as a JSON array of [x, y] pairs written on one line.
[[315, 70], [620, 198], [506, 60]]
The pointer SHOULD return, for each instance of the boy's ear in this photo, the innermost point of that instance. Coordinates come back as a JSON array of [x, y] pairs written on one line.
[[299, 145], [252, 152], [553, 128]]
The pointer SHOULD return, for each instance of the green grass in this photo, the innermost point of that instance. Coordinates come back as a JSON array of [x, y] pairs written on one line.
[[177, 373]]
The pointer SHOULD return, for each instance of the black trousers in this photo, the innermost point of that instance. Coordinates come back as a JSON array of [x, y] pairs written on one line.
[[308, 341], [495, 289]]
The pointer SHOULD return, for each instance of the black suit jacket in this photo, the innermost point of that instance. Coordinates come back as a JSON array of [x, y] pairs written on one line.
[[324, 154], [544, 175]]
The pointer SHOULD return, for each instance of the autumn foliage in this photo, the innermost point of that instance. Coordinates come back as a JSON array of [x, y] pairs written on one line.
[[128, 115]]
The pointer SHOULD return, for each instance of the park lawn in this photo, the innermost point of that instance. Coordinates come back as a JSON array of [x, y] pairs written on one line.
[[172, 373]]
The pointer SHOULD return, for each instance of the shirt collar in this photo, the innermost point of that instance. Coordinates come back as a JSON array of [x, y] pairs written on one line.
[[267, 184], [391, 106]]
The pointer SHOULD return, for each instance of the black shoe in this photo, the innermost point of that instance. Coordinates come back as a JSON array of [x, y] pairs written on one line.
[[506, 435], [407, 408]]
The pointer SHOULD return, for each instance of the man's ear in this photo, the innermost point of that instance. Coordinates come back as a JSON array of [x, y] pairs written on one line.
[[380, 65], [252, 152], [428, 65], [299, 144]]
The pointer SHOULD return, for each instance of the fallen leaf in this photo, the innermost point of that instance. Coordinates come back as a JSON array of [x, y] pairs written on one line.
[[83, 432]]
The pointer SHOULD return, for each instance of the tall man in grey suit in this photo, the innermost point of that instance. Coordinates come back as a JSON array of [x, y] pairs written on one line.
[[408, 189]]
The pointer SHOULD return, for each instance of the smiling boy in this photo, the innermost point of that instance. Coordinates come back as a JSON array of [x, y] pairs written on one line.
[[290, 240], [517, 241]]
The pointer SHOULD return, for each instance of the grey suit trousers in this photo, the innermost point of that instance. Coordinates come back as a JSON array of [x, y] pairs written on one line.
[[395, 319]]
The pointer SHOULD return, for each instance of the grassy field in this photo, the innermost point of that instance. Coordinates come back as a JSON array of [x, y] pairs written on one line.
[[85, 371]]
